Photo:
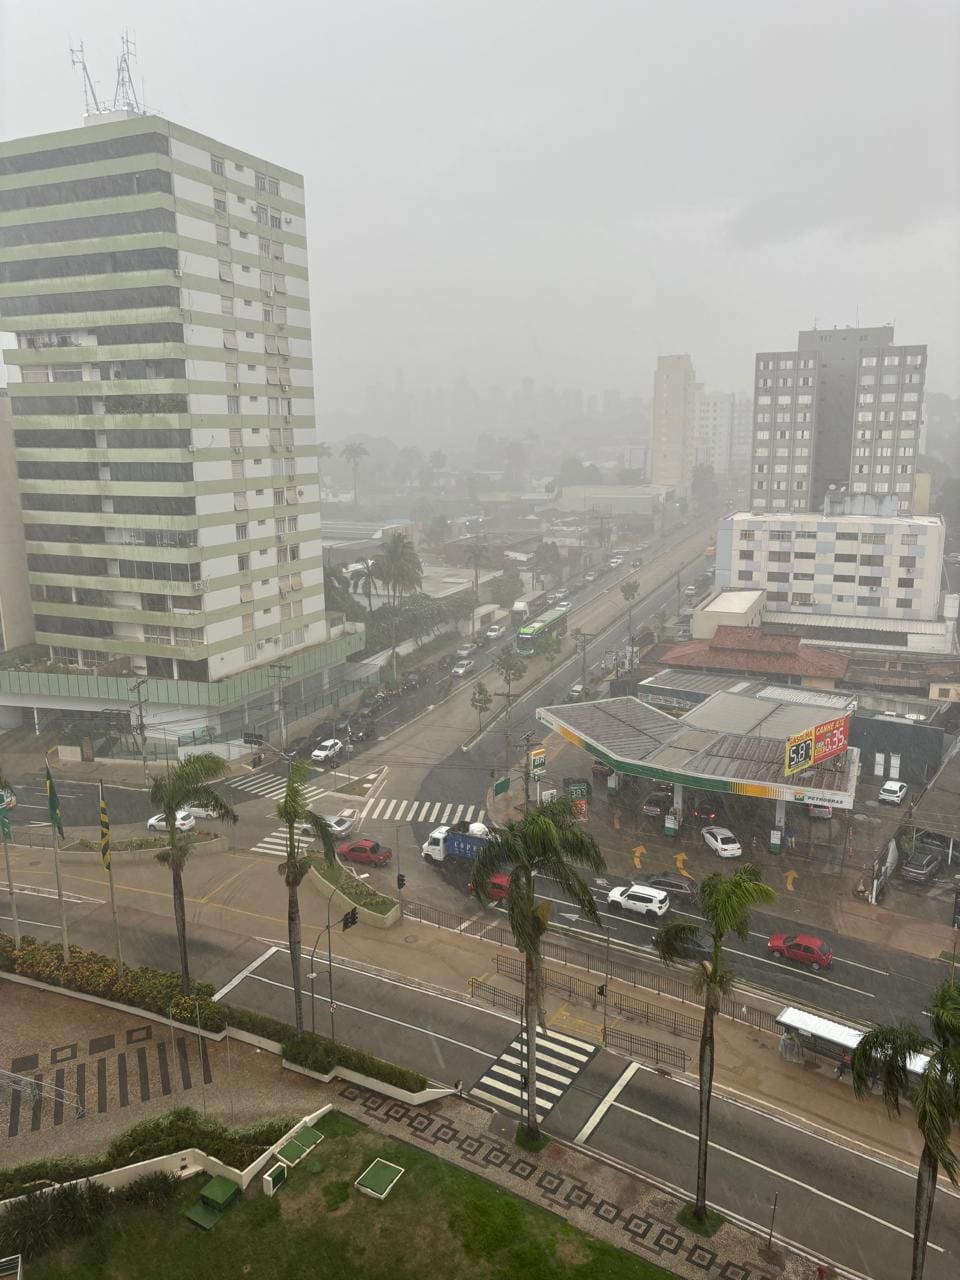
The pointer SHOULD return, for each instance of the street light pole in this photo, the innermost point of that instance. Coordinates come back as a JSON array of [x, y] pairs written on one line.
[[396, 849], [333, 1033]]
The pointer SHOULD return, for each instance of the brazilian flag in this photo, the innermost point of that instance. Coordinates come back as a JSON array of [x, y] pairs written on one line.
[[104, 831], [53, 803]]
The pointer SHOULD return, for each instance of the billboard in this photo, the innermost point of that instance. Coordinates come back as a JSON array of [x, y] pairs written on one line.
[[812, 747]]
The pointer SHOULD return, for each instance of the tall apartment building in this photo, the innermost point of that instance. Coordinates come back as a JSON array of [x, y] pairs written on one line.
[[16, 613], [155, 283], [741, 439], [713, 413], [671, 422], [841, 412]]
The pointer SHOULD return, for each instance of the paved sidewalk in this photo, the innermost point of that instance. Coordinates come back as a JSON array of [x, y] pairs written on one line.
[[595, 1195]]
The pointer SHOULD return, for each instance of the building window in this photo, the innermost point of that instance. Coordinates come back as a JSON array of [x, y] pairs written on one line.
[[233, 404], [906, 582], [243, 563], [778, 577], [904, 603], [843, 577], [241, 532], [216, 166], [220, 201], [887, 360]]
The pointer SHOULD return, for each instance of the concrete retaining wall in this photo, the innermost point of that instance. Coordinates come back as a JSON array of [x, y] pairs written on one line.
[[342, 903]]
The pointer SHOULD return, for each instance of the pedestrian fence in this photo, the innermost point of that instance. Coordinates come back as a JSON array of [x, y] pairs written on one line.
[[664, 984], [661, 1055], [493, 995], [621, 1003], [11, 1268]]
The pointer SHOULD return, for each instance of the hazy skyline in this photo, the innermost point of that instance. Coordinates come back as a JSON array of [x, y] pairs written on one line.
[[564, 190]]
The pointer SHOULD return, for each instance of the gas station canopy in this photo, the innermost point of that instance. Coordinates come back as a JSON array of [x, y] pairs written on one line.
[[729, 743]]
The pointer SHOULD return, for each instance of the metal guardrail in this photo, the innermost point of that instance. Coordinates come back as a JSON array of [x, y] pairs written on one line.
[[493, 995], [470, 927], [661, 1055], [11, 1268], [626, 1005]]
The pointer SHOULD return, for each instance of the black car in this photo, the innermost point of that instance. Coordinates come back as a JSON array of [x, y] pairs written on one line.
[[657, 803], [413, 680], [706, 809], [922, 865], [682, 888], [361, 730]]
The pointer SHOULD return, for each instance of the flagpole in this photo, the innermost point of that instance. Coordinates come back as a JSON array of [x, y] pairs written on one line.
[[53, 805], [13, 896], [107, 857]]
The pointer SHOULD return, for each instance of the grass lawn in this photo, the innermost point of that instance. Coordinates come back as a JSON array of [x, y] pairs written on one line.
[[439, 1221]]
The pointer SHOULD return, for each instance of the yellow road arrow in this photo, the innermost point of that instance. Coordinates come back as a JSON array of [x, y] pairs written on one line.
[[638, 851], [681, 860], [790, 877]]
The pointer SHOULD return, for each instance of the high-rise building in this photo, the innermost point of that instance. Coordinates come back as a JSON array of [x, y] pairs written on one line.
[[16, 614], [671, 425], [741, 440], [713, 429], [840, 413], [155, 283]]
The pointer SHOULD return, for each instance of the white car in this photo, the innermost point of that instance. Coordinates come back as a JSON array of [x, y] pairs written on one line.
[[329, 749], [496, 631], [641, 899], [340, 824], [463, 667], [465, 650], [185, 821], [199, 811], [722, 841], [893, 792], [564, 605]]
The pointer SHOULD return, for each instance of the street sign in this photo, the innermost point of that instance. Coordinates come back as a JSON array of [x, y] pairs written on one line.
[[812, 747], [501, 785], [252, 739], [538, 761]]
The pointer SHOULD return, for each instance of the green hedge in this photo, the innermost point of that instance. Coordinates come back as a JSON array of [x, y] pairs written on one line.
[[161, 1136], [319, 1054], [357, 891], [258, 1024]]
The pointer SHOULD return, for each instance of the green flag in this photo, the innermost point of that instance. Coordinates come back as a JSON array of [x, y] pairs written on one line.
[[53, 804], [104, 831]]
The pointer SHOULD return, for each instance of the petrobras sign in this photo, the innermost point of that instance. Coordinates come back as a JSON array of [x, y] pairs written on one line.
[[812, 747]]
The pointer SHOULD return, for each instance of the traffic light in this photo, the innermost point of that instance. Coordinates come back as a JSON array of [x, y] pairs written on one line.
[[350, 918], [401, 879]]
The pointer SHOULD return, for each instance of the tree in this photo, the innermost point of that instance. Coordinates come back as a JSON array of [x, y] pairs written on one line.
[[550, 647], [725, 902], [399, 567], [630, 591], [478, 557], [364, 578], [507, 588], [885, 1053], [438, 530], [509, 666], [294, 811], [546, 842], [354, 453], [185, 785], [481, 700]]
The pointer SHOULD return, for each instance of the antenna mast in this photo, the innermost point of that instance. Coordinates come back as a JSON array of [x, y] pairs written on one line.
[[125, 94], [89, 92]]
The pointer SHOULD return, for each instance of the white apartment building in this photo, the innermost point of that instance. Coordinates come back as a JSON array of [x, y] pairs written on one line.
[[713, 418], [671, 423], [840, 566]]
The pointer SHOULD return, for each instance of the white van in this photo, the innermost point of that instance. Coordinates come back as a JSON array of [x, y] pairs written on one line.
[[576, 691]]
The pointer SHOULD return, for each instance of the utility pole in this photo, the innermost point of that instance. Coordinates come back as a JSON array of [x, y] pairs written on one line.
[[281, 672], [506, 730], [136, 690], [527, 739], [583, 639]]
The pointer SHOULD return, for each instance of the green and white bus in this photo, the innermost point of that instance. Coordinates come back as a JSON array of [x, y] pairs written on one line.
[[530, 638]]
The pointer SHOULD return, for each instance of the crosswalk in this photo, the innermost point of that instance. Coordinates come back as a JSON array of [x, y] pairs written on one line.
[[383, 809], [560, 1059], [271, 786], [275, 843]]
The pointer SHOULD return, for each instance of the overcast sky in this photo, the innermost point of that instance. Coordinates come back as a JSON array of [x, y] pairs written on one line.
[[564, 189]]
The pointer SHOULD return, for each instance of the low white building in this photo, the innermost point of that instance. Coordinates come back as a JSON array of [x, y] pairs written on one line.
[[852, 565]]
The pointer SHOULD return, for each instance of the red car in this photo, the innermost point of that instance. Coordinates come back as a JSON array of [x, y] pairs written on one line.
[[497, 888], [802, 947], [370, 852]]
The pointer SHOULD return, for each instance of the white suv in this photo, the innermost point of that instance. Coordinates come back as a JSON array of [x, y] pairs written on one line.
[[640, 899]]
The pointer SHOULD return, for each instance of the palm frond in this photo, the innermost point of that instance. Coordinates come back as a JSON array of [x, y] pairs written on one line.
[[671, 940], [204, 797], [944, 1006], [882, 1055], [293, 871]]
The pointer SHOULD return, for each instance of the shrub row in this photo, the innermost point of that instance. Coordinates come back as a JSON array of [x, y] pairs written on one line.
[[46, 1220], [97, 975], [161, 1136], [319, 1054]]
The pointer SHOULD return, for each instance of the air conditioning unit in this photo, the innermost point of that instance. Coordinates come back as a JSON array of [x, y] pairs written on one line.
[[178, 271], [284, 386], [290, 447], [191, 448], [299, 493], [236, 448], [287, 219], [261, 644], [201, 585]]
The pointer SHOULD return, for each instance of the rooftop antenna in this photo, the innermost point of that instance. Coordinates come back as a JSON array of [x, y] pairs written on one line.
[[91, 103], [125, 94]]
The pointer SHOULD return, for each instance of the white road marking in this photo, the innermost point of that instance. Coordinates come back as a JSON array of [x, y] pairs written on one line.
[[607, 1102], [400, 808], [35, 924], [388, 810], [245, 973], [423, 811], [41, 891], [376, 812], [446, 814], [468, 816], [456, 816], [776, 1173], [435, 811]]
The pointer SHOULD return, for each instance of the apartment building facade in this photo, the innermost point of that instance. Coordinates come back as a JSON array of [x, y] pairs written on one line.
[[856, 565], [840, 413], [155, 283], [671, 423], [713, 418]]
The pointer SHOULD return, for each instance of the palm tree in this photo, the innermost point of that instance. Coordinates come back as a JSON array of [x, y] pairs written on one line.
[[399, 567], [888, 1053], [186, 784], [545, 842], [294, 811], [478, 557], [630, 591], [725, 902], [354, 453], [364, 578]]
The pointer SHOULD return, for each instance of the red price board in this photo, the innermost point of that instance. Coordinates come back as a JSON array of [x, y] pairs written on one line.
[[808, 749]]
